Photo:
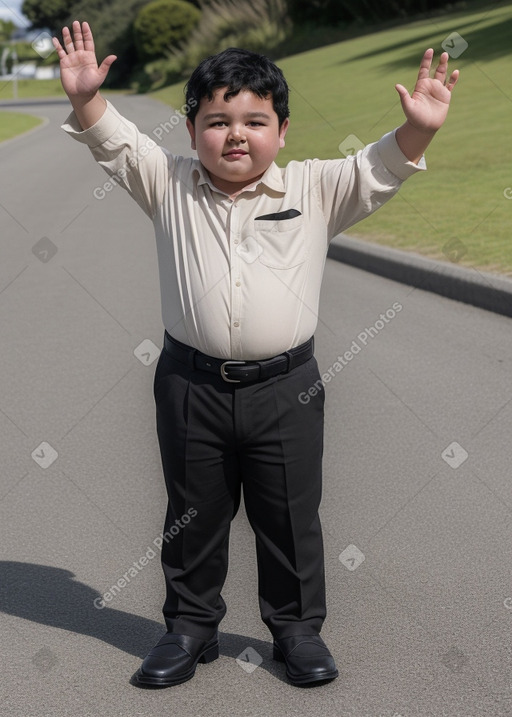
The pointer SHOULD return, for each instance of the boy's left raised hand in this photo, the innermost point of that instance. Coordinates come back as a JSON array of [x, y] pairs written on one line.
[[426, 109]]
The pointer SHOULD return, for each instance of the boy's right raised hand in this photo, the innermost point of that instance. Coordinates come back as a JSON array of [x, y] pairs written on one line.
[[80, 74]]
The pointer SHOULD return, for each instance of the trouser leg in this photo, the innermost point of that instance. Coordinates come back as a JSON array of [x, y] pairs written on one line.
[[202, 476], [281, 464]]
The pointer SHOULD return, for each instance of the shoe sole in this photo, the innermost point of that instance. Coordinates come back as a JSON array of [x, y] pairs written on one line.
[[209, 655], [304, 679]]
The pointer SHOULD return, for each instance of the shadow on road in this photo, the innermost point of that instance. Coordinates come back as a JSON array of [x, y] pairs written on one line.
[[51, 596]]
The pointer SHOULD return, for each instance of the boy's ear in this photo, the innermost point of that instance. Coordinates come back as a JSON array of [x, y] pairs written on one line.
[[282, 132], [192, 133]]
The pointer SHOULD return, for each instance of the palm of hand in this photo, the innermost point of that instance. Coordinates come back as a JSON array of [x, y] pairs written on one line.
[[427, 107], [79, 72], [430, 103]]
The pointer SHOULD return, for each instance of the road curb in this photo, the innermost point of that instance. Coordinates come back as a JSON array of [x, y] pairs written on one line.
[[471, 286]]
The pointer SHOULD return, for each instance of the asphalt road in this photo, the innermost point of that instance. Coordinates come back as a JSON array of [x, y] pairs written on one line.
[[417, 503]]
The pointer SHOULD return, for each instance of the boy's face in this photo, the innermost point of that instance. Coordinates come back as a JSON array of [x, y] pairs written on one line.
[[236, 140]]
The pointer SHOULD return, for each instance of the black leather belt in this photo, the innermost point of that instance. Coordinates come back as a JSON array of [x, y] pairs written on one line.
[[239, 371]]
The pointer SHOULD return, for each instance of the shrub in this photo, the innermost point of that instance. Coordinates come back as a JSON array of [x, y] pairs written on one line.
[[162, 25], [111, 24], [257, 25], [47, 13]]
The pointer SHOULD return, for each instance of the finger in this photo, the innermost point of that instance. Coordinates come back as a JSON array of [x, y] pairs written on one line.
[[60, 50], [77, 35], [402, 91], [453, 80], [426, 63], [106, 65], [88, 38], [405, 97], [442, 68], [67, 39]]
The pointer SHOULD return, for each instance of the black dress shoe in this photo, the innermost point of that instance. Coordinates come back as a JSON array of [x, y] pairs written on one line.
[[174, 659], [306, 657]]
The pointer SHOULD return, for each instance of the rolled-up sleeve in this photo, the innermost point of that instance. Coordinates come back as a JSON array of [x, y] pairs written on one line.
[[351, 189], [131, 158]]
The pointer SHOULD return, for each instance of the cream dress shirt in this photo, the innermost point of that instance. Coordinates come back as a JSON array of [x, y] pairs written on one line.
[[240, 278]]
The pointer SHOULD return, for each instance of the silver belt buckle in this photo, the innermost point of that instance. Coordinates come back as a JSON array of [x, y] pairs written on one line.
[[223, 371]]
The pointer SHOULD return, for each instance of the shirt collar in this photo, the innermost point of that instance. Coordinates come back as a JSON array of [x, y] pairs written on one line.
[[271, 179]]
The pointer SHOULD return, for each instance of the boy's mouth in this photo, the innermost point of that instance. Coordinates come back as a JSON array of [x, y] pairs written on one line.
[[235, 153]]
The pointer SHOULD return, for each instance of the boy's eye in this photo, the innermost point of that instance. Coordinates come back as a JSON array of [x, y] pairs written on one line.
[[222, 123]]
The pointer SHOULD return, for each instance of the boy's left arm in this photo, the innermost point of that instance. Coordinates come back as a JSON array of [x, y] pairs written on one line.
[[426, 109]]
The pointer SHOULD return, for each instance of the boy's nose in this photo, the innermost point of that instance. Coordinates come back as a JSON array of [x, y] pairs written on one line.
[[237, 134]]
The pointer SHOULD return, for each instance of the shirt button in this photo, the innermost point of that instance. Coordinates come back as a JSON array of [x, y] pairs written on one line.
[[238, 283], [237, 241], [237, 324]]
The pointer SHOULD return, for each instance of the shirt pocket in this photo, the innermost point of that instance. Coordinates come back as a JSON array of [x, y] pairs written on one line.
[[281, 242]]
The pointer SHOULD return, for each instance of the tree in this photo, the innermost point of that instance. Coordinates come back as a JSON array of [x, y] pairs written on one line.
[[163, 24], [47, 13], [7, 27], [112, 26]]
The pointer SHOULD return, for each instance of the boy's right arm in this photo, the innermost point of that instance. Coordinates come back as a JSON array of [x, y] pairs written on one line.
[[131, 158], [80, 74]]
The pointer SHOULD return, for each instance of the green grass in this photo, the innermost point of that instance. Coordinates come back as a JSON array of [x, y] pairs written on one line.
[[348, 88], [31, 88], [28, 89], [14, 123]]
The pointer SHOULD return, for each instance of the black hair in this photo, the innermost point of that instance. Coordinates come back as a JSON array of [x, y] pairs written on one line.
[[237, 70]]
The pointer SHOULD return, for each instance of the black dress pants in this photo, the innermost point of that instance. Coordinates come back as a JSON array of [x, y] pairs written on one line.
[[215, 437]]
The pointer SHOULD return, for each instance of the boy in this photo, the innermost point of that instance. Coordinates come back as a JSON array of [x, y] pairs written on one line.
[[241, 250]]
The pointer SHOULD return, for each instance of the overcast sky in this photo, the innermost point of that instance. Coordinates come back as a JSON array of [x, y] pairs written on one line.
[[11, 10]]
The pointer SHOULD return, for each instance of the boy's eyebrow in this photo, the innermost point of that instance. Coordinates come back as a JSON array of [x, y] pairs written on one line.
[[249, 115]]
